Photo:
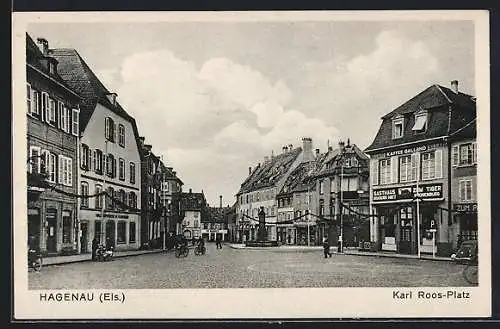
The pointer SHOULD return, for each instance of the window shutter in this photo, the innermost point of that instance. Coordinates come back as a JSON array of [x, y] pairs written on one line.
[[414, 166], [454, 155], [474, 152], [438, 162], [91, 159], [106, 128], [45, 169], [374, 171], [45, 107], [70, 172], [394, 169], [60, 162], [75, 122]]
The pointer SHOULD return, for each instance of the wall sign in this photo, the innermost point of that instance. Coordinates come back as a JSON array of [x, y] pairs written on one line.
[[465, 207], [111, 216], [408, 193], [409, 150]]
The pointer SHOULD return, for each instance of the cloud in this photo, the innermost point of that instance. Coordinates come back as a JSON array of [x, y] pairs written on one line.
[[355, 92], [213, 122]]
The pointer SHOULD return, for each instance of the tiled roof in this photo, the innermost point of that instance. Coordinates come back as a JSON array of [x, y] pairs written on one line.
[[270, 172], [326, 168], [34, 57], [192, 201], [78, 75], [469, 131], [437, 100], [298, 181]]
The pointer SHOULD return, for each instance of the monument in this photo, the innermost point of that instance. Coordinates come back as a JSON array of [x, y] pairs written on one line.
[[262, 237]]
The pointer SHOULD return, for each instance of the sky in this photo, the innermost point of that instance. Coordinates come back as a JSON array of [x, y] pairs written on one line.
[[214, 98]]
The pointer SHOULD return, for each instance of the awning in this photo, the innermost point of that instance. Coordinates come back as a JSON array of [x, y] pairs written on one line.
[[420, 122]]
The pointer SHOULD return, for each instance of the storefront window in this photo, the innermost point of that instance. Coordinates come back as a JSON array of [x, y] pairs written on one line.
[[97, 230], [121, 238], [131, 233], [406, 223], [66, 226]]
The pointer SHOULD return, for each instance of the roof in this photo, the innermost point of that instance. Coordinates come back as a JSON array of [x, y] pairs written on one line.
[[192, 201], [34, 57], [469, 131], [298, 181], [436, 100], [270, 172], [78, 75]]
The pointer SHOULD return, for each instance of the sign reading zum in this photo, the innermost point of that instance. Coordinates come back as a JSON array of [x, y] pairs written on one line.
[[112, 216], [407, 193]]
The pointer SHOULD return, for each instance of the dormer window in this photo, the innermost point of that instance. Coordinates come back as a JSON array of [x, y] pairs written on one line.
[[420, 122], [52, 68], [397, 127]]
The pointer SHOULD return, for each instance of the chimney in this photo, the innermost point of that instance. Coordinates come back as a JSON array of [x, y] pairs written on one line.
[[142, 139], [174, 173], [285, 149], [330, 148], [307, 144], [290, 147], [249, 171], [43, 44], [317, 152], [220, 201], [454, 86], [148, 147], [190, 190], [341, 144], [112, 98]]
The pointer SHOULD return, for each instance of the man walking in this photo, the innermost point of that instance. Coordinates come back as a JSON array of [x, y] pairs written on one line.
[[95, 244], [326, 248], [218, 242]]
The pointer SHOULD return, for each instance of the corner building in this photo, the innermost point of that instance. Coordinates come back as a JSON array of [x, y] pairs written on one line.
[[110, 159], [410, 169]]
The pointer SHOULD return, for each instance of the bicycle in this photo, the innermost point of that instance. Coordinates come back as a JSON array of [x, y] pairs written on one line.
[[34, 260], [470, 272], [182, 251], [200, 250]]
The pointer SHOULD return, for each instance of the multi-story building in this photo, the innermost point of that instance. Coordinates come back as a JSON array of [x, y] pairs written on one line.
[[109, 162], [152, 210], [464, 184], [193, 210], [170, 197], [411, 158], [216, 223], [342, 190], [52, 148], [260, 188]]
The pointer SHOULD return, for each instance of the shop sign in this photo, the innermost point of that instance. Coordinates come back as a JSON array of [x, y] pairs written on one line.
[[410, 150], [112, 216], [465, 207], [425, 192]]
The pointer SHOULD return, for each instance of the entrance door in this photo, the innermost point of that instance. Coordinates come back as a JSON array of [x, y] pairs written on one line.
[[84, 226], [34, 229], [52, 235], [110, 231]]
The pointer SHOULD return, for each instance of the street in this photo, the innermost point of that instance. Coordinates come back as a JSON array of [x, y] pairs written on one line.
[[243, 268]]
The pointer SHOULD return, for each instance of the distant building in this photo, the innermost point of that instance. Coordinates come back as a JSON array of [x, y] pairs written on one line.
[[110, 159], [261, 187], [413, 149], [193, 210], [216, 223], [52, 152]]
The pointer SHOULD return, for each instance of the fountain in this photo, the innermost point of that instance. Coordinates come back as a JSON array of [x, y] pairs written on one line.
[[262, 240]]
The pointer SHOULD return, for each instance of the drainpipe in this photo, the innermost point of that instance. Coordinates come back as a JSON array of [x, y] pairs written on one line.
[[448, 144]]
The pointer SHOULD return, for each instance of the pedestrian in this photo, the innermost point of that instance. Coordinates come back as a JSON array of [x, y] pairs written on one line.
[[218, 242], [95, 245], [326, 248]]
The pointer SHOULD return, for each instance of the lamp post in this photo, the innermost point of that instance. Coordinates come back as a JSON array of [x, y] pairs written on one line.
[[418, 204], [104, 172]]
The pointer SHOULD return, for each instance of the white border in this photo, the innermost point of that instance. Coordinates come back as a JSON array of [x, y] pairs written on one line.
[[252, 303]]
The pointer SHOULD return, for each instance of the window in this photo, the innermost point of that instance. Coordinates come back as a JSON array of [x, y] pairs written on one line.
[[111, 166], [50, 166], [432, 165], [35, 102], [405, 169], [465, 189], [109, 130], [121, 169], [350, 162], [66, 229], [132, 200], [75, 122], [132, 173], [467, 154], [321, 209], [84, 157], [52, 112], [65, 173], [122, 197], [121, 234], [385, 171], [34, 160], [45, 105], [350, 184], [85, 193], [61, 115], [52, 68], [28, 98], [166, 186], [98, 198], [196, 223], [131, 232], [420, 123], [397, 127], [110, 193], [98, 161], [121, 135], [64, 118], [321, 186]]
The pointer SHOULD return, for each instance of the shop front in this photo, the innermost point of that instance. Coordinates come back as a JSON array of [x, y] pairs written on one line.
[[466, 216], [305, 230], [397, 219]]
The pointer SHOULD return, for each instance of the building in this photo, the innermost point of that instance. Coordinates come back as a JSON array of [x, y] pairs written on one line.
[[411, 159], [216, 223], [110, 159], [464, 184], [170, 197], [261, 187], [193, 211], [152, 210], [52, 153], [341, 190]]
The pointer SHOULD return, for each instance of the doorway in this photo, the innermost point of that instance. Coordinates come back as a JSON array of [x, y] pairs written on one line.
[[110, 231], [51, 220], [34, 229], [84, 227]]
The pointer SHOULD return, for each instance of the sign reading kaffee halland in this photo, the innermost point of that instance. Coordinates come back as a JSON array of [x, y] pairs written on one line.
[[430, 192], [408, 150]]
